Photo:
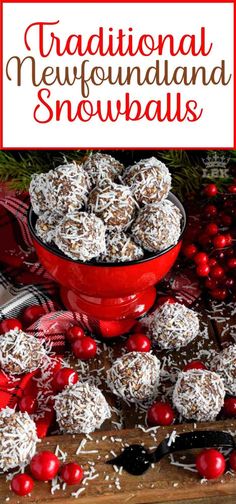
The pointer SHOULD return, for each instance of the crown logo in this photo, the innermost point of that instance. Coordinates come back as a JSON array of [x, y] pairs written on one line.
[[216, 160]]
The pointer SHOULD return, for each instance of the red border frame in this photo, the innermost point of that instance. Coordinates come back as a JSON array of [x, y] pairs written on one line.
[[113, 148]]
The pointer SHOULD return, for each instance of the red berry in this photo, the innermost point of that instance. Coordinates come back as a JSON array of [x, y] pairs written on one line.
[[203, 270], [229, 282], [212, 262], [195, 364], [72, 473], [189, 250], [210, 210], [8, 324], [232, 460], [63, 377], [210, 190], [226, 220], [32, 313], [211, 283], [210, 463], [219, 241], [229, 252], [230, 407], [232, 189], [232, 263], [217, 272], [138, 343], [22, 484], [74, 333], [138, 328], [228, 239], [211, 229], [85, 348], [160, 413], [44, 466], [204, 240], [28, 404], [201, 258], [220, 294], [165, 299]]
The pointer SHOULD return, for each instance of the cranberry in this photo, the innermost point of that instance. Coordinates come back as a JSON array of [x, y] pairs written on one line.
[[85, 348], [138, 343], [160, 413]]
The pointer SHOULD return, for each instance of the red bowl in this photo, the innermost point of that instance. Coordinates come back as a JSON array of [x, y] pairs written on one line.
[[108, 291]]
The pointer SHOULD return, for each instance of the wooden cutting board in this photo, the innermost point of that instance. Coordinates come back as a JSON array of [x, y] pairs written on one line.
[[166, 481]]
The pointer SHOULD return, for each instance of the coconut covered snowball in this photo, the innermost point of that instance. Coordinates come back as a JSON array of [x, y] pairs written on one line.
[[39, 190], [69, 186], [114, 204], [135, 376], [199, 395], [20, 352], [120, 248], [224, 363], [46, 225], [149, 180], [81, 236], [101, 168], [172, 325], [158, 226], [18, 439], [81, 408]]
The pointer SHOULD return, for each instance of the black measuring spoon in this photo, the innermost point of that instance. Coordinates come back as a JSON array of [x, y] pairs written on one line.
[[136, 459]]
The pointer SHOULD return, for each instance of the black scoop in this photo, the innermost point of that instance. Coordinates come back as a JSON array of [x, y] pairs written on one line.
[[136, 459]]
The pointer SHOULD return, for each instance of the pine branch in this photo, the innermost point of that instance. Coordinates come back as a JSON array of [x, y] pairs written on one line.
[[17, 168]]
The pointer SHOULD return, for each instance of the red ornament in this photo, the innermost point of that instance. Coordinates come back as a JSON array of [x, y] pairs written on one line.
[[220, 294], [217, 272], [210, 210], [189, 250], [28, 404], [210, 190], [210, 463], [85, 348], [232, 460], [195, 364], [44, 466], [74, 333], [32, 313], [230, 407], [72, 473], [22, 484], [232, 263], [63, 377], [219, 241], [160, 413], [211, 283], [8, 324], [203, 270], [138, 343], [201, 258], [232, 189], [211, 229]]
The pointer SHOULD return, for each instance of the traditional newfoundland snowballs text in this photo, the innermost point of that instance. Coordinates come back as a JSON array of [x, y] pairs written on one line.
[[105, 45]]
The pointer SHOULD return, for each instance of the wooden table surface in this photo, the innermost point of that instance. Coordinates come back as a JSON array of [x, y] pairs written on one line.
[[166, 481]]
